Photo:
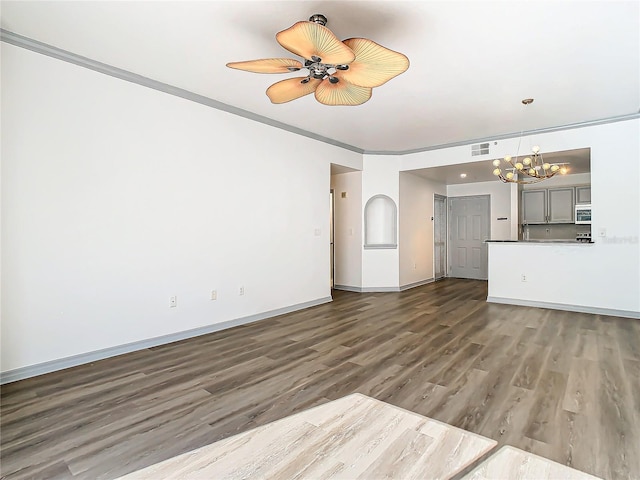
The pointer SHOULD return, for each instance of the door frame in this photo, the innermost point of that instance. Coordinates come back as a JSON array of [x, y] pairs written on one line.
[[437, 196], [332, 235], [484, 244]]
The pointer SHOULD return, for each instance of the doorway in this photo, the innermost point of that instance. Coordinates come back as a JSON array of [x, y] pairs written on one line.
[[439, 237], [331, 242], [469, 227]]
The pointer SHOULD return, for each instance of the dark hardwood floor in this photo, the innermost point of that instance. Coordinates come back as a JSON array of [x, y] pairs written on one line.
[[562, 385]]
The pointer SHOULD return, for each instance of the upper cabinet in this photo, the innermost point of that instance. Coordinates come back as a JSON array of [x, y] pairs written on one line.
[[561, 205], [551, 205], [534, 206], [583, 194]]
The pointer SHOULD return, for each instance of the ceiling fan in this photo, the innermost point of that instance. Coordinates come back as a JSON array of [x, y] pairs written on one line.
[[340, 73]]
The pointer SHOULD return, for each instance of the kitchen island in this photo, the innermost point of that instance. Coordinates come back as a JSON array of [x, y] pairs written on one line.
[[561, 274]]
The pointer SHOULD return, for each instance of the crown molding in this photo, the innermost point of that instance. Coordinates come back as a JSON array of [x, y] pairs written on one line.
[[559, 128], [55, 52]]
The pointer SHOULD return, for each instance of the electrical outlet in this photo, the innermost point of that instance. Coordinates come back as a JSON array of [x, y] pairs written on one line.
[[173, 301], [241, 292], [214, 294], [415, 266], [523, 278]]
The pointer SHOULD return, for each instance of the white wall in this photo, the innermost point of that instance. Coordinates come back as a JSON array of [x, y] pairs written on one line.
[[116, 197], [416, 227], [380, 177], [500, 204], [348, 229]]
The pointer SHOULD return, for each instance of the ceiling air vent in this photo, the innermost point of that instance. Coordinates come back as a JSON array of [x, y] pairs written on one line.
[[479, 149]]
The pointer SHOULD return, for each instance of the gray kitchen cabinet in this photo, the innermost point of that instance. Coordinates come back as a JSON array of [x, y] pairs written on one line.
[[583, 194], [548, 205], [534, 206], [561, 206]]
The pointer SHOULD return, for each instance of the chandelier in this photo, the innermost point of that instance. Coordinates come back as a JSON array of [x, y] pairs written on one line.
[[531, 169]]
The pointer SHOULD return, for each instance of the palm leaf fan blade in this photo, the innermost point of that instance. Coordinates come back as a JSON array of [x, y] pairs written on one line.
[[290, 89], [342, 93], [374, 64], [267, 65], [309, 40]]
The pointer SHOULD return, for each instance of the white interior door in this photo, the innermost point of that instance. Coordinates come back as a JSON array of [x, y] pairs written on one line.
[[468, 229]]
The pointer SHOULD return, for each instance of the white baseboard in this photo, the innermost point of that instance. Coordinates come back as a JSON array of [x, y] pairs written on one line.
[[75, 360], [561, 306], [417, 284], [379, 289], [348, 288], [402, 288]]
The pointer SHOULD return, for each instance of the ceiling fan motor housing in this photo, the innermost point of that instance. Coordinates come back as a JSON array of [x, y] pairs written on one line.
[[318, 18]]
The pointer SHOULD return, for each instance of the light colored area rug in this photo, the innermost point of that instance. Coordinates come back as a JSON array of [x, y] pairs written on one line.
[[352, 437], [515, 464]]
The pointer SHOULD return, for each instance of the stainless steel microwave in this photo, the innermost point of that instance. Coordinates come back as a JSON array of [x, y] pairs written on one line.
[[583, 214]]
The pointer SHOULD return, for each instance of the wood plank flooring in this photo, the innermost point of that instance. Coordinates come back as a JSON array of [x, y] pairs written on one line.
[[353, 437], [565, 386]]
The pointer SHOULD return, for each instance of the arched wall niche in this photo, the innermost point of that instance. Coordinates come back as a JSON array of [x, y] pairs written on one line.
[[380, 223]]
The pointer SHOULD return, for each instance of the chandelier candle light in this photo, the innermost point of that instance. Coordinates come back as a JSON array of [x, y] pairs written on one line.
[[532, 169]]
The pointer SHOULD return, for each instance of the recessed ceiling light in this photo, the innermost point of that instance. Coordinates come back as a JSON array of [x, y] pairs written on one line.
[[463, 175]]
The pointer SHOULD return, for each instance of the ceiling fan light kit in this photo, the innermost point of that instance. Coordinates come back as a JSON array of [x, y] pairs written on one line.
[[339, 73]]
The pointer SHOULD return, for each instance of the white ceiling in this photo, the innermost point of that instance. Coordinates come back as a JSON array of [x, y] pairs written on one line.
[[472, 62]]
